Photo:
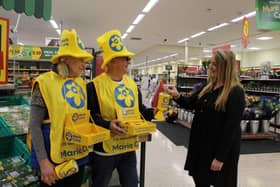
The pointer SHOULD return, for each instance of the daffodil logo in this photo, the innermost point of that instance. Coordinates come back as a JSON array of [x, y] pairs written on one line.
[[80, 43], [115, 43], [124, 96], [73, 94]]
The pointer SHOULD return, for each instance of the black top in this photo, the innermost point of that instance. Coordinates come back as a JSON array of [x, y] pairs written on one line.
[[93, 106], [214, 134]]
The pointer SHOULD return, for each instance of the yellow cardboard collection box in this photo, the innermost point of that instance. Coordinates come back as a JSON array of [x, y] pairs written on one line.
[[138, 127], [80, 131]]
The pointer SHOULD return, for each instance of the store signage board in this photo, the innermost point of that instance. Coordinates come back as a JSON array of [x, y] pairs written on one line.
[[268, 14], [18, 52], [4, 38], [245, 32], [226, 47], [168, 67]]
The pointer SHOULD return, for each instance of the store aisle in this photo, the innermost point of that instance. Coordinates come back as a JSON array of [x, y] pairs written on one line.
[[165, 161]]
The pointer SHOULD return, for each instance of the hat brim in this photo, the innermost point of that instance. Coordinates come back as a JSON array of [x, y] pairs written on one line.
[[86, 56], [106, 61]]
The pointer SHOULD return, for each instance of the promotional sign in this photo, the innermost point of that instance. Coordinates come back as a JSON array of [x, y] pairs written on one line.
[[268, 14], [4, 38], [31, 52], [245, 32], [226, 47]]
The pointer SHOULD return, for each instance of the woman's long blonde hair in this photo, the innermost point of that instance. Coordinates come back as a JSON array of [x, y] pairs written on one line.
[[226, 74]]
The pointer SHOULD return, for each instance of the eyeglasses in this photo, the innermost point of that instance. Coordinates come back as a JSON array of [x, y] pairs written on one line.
[[121, 59]]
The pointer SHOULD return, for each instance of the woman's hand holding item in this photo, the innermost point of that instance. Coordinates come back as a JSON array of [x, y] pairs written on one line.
[[115, 128], [48, 174], [171, 90], [216, 165]]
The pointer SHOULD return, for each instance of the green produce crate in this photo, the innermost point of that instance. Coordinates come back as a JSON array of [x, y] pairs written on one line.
[[5, 130], [10, 145], [13, 100]]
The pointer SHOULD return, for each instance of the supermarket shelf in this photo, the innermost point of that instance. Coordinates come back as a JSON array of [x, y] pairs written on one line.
[[183, 123], [243, 136], [259, 136], [7, 87], [265, 92]]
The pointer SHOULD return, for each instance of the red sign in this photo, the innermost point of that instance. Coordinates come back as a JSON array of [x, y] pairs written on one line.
[[4, 38], [226, 47], [245, 32]]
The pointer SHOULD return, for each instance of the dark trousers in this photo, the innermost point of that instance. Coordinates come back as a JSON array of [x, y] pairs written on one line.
[[74, 180], [103, 167], [199, 183]]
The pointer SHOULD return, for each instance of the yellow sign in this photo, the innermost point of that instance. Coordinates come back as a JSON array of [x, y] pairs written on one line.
[[4, 38]]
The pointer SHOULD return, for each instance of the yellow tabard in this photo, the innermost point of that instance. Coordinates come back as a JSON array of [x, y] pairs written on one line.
[[63, 96], [114, 97]]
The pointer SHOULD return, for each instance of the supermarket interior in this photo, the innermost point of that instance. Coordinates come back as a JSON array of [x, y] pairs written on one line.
[[174, 42]]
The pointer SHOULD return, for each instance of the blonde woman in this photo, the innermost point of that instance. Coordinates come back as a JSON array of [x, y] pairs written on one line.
[[214, 145]]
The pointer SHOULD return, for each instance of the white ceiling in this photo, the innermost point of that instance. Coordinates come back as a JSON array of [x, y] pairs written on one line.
[[171, 20]]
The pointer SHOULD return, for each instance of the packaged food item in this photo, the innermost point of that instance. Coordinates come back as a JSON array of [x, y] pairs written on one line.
[[11, 162], [66, 169]]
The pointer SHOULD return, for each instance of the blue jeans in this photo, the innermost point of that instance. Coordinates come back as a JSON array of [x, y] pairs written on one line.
[[103, 167]]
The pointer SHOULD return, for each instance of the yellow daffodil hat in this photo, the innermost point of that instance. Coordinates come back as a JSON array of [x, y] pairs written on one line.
[[71, 45], [112, 46]]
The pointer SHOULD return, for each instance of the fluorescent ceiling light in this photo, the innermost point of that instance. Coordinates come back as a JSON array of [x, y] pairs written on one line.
[[251, 14], [58, 31], [124, 36], [175, 54], [20, 43], [138, 19], [206, 51], [130, 28], [149, 6], [183, 40], [254, 48], [232, 46], [193, 58], [265, 38], [198, 34], [218, 26], [53, 23]]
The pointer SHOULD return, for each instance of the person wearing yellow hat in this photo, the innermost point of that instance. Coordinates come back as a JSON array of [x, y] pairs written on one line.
[[54, 95], [106, 93]]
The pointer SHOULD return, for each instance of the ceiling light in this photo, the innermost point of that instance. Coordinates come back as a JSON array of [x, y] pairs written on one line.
[[218, 26], [138, 19], [124, 36], [130, 28], [265, 38], [198, 34], [251, 14], [149, 6], [20, 43], [206, 51], [254, 48], [183, 40], [232, 46], [53, 23], [193, 58], [58, 31]]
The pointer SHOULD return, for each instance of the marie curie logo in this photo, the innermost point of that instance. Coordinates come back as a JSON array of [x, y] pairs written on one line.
[[80, 43], [115, 43], [124, 96], [73, 94]]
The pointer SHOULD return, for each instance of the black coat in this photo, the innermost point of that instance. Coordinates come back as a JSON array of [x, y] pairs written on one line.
[[214, 134]]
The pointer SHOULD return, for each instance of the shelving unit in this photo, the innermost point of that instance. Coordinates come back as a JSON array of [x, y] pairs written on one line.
[[267, 87], [22, 72]]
